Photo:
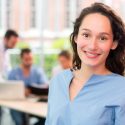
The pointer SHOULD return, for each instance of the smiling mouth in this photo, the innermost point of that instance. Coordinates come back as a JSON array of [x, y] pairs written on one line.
[[91, 54]]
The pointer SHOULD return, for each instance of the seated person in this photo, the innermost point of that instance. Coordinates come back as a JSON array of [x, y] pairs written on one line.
[[29, 75], [65, 62]]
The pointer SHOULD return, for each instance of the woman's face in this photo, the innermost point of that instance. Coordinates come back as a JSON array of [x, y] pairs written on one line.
[[95, 40]]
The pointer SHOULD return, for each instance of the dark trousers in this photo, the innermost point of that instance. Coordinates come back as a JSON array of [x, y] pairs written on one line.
[[40, 122], [19, 118], [0, 116]]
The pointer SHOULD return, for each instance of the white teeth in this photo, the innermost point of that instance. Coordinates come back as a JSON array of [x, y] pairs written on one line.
[[91, 54]]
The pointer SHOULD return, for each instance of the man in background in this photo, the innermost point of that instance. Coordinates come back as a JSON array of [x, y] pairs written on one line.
[[65, 62], [9, 42], [29, 74], [65, 59]]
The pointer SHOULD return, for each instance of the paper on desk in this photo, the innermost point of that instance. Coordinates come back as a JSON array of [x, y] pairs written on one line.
[[42, 86]]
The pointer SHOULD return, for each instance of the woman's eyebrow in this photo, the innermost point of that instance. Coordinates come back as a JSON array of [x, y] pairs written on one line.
[[86, 29], [102, 33], [105, 33]]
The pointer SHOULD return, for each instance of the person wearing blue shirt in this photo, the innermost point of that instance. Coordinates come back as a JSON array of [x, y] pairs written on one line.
[[93, 91], [30, 75], [36, 75]]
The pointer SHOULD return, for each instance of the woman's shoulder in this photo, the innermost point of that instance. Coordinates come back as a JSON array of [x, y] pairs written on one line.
[[64, 74], [63, 77], [118, 78], [118, 83], [60, 81]]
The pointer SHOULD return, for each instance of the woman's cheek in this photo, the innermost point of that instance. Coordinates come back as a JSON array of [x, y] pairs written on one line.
[[81, 43], [105, 48]]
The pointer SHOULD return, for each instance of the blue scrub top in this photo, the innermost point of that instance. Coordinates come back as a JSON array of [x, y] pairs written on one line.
[[36, 76], [100, 102]]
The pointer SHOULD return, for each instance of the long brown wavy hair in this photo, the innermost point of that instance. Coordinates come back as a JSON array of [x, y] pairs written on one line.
[[115, 61]]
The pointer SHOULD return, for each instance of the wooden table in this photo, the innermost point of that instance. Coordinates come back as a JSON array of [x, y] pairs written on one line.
[[27, 106]]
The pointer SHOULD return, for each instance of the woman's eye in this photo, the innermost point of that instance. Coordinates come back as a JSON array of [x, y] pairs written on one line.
[[86, 35], [103, 38]]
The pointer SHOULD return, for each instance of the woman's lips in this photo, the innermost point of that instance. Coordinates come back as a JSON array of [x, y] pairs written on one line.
[[91, 54]]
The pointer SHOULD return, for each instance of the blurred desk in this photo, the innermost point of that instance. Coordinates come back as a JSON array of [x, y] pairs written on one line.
[[27, 106]]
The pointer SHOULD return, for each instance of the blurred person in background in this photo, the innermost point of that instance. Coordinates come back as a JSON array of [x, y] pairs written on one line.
[[9, 42], [65, 62], [65, 59], [29, 74]]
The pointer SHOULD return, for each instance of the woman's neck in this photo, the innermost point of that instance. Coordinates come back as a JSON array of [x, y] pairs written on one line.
[[86, 72]]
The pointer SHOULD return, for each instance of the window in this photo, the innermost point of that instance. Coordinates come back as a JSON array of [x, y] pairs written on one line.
[[67, 13], [33, 14], [0, 15], [8, 12]]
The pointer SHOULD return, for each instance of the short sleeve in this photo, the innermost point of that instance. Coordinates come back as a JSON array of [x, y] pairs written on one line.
[[41, 77], [11, 75]]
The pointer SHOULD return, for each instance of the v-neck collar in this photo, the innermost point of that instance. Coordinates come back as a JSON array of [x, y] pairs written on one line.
[[25, 77], [93, 77]]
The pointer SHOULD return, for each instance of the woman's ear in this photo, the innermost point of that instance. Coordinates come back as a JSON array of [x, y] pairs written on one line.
[[114, 45], [75, 39]]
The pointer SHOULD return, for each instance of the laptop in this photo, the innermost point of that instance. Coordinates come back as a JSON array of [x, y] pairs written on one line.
[[12, 90], [41, 90]]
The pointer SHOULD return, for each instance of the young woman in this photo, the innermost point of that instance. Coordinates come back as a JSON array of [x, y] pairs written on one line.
[[93, 92]]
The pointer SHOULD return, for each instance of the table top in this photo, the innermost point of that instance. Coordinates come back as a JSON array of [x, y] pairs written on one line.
[[27, 106]]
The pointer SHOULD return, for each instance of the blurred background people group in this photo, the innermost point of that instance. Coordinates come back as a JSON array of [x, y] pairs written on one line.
[[26, 71]]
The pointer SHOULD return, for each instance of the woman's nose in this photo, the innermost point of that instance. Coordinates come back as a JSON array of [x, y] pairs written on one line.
[[92, 44]]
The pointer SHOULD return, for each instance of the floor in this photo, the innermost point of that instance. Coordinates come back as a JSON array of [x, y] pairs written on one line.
[[6, 117], [7, 120]]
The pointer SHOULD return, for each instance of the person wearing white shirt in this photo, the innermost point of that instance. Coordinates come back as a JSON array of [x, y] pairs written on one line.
[[9, 42]]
